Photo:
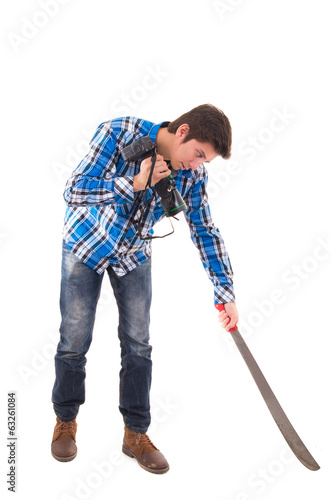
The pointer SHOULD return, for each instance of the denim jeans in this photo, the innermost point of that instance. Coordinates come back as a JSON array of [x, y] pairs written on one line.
[[80, 291]]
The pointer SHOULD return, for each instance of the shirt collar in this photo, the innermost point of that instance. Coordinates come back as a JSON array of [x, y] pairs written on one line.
[[155, 128]]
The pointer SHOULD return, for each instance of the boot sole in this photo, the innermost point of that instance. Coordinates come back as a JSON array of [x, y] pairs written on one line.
[[131, 454], [64, 459]]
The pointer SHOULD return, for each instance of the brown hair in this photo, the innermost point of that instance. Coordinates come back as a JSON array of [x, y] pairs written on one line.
[[207, 124]]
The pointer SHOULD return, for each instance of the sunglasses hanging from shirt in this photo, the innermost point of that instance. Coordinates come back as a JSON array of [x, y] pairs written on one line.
[[171, 200]]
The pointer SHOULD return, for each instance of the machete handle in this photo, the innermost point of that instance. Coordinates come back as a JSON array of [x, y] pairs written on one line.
[[220, 307]]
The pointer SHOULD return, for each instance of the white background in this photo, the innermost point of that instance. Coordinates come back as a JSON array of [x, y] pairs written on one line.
[[63, 73]]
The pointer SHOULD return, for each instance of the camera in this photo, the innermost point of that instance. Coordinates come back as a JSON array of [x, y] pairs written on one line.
[[171, 200], [141, 149]]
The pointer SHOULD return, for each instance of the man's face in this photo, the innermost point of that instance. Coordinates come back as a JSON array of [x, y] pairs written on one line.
[[191, 154]]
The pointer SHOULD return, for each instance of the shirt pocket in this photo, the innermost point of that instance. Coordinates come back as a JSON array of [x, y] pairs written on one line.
[[123, 209]]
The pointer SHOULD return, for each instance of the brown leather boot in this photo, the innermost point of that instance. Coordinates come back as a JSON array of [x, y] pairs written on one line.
[[139, 446], [63, 446]]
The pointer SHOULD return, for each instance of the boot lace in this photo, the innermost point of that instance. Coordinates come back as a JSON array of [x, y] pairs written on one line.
[[67, 429], [143, 439]]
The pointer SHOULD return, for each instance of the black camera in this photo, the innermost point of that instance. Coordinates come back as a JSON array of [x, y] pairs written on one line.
[[171, 200], [142, 148]]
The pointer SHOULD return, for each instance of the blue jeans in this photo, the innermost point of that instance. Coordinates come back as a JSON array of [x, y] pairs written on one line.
[[80, 291]]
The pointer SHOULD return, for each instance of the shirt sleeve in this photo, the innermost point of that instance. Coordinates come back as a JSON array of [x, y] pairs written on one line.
[[94, 181], [209, 241]]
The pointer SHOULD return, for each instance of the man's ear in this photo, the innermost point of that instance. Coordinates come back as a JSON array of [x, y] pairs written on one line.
[[182, 131]]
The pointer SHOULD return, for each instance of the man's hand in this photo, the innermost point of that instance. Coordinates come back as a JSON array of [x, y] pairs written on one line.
[[160, 171], [229, 317]]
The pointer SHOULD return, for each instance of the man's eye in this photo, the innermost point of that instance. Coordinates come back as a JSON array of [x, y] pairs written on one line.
[[199, 155]]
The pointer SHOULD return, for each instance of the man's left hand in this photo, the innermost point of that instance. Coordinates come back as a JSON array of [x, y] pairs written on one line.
[[229, 317]]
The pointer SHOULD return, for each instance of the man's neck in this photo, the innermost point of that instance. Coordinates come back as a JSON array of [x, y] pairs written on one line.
[[164, 142]]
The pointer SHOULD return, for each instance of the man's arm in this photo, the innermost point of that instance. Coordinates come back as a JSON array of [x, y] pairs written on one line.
[[94, 180], [210, 244]]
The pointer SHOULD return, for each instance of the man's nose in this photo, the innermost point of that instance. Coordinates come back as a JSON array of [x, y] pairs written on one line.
[[194, 164]]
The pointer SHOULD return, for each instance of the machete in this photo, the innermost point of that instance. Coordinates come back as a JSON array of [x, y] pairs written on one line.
[[285, 426]]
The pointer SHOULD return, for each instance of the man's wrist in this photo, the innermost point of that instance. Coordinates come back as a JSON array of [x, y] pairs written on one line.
[[137, 184]]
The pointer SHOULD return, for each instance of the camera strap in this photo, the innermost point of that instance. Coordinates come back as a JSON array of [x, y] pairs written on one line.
[[146, 207]]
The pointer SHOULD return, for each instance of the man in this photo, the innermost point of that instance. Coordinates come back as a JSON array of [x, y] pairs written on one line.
[[101, 234]]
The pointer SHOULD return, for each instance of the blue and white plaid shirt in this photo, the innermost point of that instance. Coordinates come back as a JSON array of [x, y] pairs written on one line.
[[101, 218]]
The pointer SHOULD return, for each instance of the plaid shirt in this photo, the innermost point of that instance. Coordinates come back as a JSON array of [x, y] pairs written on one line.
[[101, 217]]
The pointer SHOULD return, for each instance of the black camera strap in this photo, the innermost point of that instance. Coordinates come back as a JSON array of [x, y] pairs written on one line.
[[146, 207]]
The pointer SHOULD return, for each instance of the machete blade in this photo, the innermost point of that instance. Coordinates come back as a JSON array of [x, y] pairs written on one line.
[[285, 426]]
